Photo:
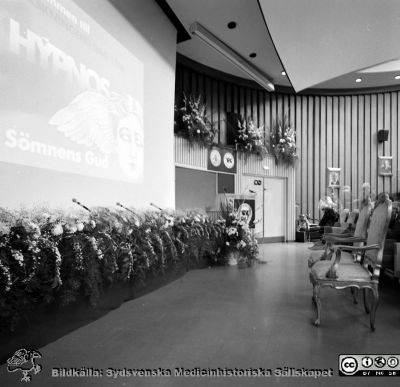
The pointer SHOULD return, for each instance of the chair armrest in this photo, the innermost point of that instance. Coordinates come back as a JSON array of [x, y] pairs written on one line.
[[336, 230], [332, 271], [343, 238], [361, 249]]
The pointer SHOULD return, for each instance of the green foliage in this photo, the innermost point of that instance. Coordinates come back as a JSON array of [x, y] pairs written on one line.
[[237, 236], [283, 141], [54, 256], [250, 139], [192, 122]]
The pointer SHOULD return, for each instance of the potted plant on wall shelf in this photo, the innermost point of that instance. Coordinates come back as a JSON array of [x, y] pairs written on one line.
[[192, 122], [283, 141]]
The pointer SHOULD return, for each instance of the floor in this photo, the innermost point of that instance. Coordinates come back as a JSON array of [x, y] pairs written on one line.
[[225, 317]]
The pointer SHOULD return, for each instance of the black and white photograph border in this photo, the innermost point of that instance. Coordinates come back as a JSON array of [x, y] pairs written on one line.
[[385, 165]]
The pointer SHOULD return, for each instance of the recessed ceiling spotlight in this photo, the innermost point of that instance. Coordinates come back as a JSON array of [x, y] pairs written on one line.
[[232, 25], [253, 55], [358, 80], [283, 73], [397, 77]]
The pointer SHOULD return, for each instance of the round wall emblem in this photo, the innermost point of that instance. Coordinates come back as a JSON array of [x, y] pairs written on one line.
[[229, 160], [215, 158]]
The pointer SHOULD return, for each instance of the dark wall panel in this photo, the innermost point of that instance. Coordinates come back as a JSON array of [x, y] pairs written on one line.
[[332, 131], [194, 188]]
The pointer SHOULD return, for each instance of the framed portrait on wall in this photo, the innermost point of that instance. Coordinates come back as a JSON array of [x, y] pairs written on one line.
[[385, 165], [333, 177]]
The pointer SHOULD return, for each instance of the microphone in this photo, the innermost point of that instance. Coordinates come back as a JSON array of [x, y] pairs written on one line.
[[126, 208], [158, 208], [80, 204]]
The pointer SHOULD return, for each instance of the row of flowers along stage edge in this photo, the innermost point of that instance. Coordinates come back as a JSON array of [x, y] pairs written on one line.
[[55, 256]]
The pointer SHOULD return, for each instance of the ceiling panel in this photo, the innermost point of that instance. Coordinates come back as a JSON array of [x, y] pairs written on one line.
[[319, 40]]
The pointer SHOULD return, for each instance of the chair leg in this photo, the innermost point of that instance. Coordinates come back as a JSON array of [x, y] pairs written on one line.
[[374, 307], [366, 305], [354, 292], [317, 302]]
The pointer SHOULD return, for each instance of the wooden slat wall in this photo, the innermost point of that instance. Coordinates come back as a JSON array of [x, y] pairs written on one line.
[[332, 131]]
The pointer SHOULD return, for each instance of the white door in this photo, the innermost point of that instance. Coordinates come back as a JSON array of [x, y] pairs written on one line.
[[253, 186], [274, 209]]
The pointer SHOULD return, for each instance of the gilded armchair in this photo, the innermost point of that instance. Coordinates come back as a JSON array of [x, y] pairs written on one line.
[[363, 274]]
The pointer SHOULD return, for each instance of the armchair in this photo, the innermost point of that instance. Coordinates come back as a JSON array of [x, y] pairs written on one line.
[[363, 274], [344, 237]]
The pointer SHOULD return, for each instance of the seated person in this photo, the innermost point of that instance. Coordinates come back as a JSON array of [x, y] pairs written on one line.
[[303, 224], [329, 218]]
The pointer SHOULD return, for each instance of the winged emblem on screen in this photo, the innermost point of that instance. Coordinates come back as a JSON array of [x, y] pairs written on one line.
[[112, 125]]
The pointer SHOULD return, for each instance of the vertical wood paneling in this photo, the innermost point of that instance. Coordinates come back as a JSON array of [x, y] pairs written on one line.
[[393, 141], [354, 142], [222, 112], [297, 124], [387, 181], [267, 114], [261, 111], [317, 158], [380, 146], [397, 169], [322, 169], [374, 144], [342, 138], [329, 159], [361, 151], [305, 204], [311, 152], [366, 159], [331, 131]]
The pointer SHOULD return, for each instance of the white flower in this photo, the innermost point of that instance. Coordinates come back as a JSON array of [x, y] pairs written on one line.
[[57, 230], [227, 243], [80, 226], [70, 228], [17, 255], [232, 231]]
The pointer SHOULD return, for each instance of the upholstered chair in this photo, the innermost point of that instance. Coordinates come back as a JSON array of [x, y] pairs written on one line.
[[359, 274]]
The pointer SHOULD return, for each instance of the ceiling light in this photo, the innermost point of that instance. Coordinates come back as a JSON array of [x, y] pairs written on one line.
[[358, 80], [283, 73], [212, 41], [232, 25], [397, 77]]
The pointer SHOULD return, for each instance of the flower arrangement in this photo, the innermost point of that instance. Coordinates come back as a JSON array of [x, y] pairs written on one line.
[[238, 238], [192, 123], [249, 138], [283, 141], [54, 256]]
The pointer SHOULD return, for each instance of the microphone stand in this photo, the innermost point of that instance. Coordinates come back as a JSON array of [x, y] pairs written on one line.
[[127, 209], [81, 205], [158, 208]]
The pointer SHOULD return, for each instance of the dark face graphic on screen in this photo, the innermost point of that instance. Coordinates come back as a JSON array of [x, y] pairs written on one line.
[[112, 125]]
